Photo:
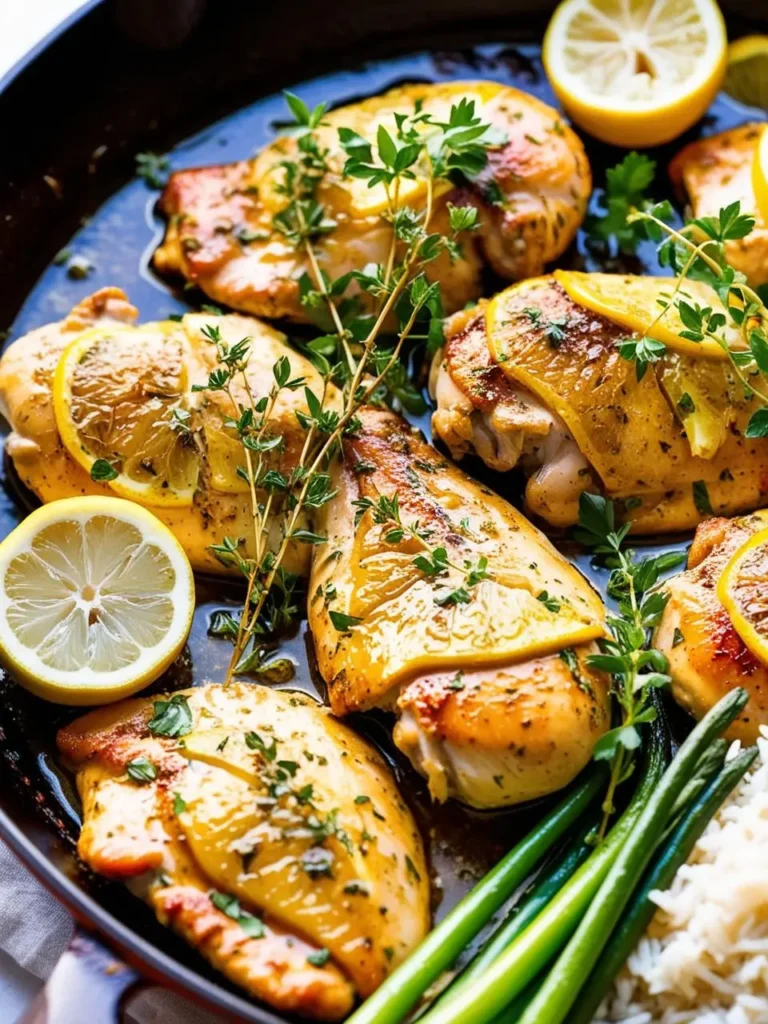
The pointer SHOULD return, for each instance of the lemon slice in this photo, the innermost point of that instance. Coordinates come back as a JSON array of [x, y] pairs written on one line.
[[760, 175], [743, 591], [353, 195], [635, 303], [747, 76], [636, 72], [114, 394], [96, 600]]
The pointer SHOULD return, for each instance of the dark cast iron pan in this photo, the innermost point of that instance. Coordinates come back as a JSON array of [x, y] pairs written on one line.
[[201, 81]]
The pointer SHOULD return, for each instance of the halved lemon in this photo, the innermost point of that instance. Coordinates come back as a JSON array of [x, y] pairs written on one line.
[[760, 175], [743, 591], [636, 73], [636, 302], [96, 600], [115, 394], [747, 76]]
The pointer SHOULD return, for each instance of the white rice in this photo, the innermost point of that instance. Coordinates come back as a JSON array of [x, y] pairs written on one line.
[[704, 958]]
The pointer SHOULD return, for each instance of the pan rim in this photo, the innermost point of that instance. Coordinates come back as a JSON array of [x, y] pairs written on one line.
[[155, 965], [28, 58]]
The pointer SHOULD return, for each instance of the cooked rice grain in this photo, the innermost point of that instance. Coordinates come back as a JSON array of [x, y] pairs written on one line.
[[704, 958]]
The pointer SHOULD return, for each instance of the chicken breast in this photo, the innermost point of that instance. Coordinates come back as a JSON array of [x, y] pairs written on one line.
[[707, 657], [545, 388], [269, 835], [717, 171], [532, 197], [221, 505], [494, 700]]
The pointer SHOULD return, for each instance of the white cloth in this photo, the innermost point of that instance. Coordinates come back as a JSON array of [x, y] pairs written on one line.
[[34, 932]]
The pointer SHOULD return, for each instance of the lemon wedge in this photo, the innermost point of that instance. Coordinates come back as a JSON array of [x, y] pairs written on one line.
[[743, 591], [636, 302], [636, 73], [117, 394], [96, 600], [760, 175], [747, 76]]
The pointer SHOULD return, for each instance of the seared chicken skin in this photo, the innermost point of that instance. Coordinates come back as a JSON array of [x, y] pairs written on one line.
[[495, 704], [717, 171], [707, 656], [532, 197], [520, 728], [221, 504], [271, 837], [546, 389]]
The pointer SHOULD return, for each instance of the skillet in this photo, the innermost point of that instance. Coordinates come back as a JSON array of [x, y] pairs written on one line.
[[202, 82]]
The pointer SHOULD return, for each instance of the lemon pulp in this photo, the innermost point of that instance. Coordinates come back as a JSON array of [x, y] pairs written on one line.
[[118, 393], [96, 599], [636, 72], [743, 592]]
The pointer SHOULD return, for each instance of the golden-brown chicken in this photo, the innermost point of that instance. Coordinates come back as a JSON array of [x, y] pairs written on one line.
[[707, 656], [536, 380], [532, 198], [265, 832], [717, 171], [127, 374], [517, 730], [483, 659]]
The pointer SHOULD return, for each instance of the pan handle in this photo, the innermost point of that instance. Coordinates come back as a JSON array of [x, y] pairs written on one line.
[[87, 984]]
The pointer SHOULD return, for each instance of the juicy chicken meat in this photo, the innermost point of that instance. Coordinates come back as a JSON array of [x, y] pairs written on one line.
[[495, 704], [221, 504], [270, 833], [547, 390], [717, 171], [707, 657], [220, 233]]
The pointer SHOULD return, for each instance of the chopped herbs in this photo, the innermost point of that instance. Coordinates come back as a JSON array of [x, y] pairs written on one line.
[[79, 267], [267, 748], [343, 623], [252, 926], [457, 683], [172, 717], [179, 804], [356, 888], [677, 637], [141, 770], [685, 404], [319, 958], [701, 498], [552, 604], [318, 862], [153, 168], [554, 331], [103, 471], [362, 799], [412, 870]]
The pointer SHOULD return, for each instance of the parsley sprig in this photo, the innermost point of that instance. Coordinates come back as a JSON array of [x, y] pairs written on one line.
[[626, 188], [635, 667], [694, 252]]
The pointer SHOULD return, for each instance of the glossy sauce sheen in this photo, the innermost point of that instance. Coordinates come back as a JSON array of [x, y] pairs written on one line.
[[118, 240]]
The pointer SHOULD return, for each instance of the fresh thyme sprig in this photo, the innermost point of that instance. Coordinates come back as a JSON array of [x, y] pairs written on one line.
[[433, 562], [356, 365], [635, 668]]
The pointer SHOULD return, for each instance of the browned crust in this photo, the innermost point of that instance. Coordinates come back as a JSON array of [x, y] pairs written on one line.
[[273, 967]]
